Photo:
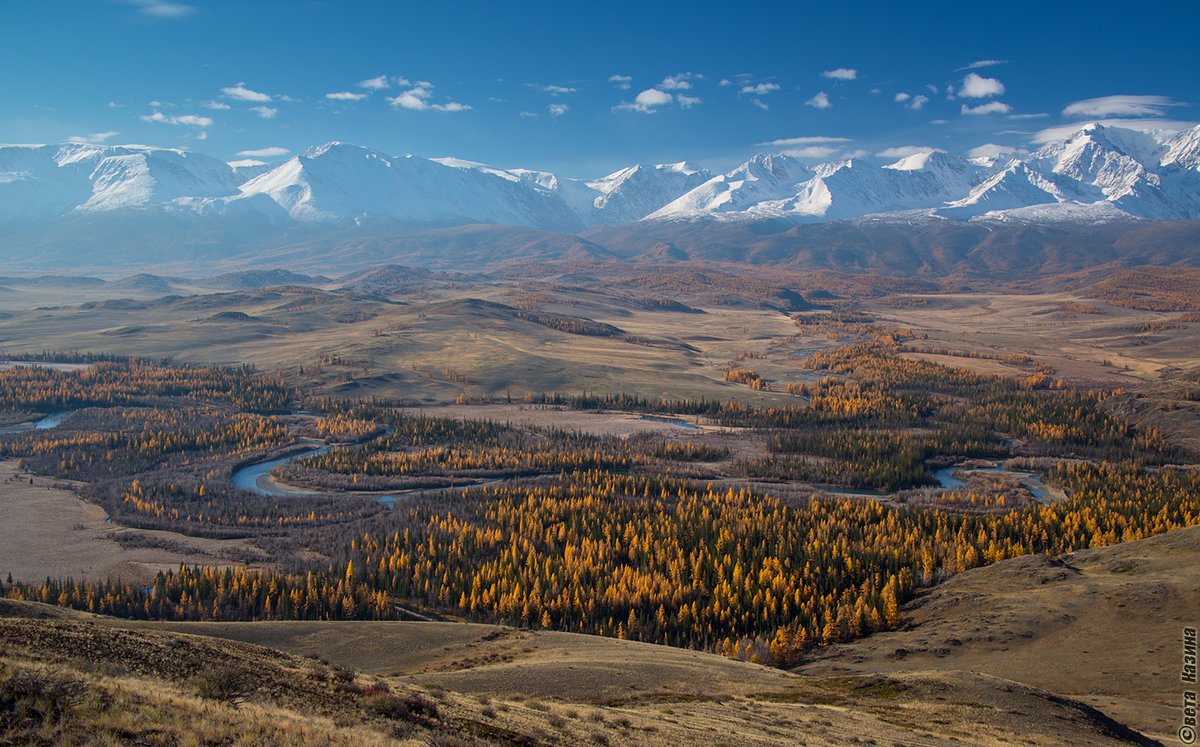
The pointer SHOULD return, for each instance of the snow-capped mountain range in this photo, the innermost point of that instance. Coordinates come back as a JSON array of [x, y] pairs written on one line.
[[1099, 173]]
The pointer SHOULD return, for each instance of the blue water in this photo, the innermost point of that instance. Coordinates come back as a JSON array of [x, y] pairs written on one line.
[[51, 421], [678, 422], [45, 424], [246, 477], [947, 480]]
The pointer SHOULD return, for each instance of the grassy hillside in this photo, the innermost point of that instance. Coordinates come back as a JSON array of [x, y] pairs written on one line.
[[69, 677], [1101, 625]]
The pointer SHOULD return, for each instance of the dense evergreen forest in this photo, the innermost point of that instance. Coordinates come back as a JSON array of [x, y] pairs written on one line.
[[669, 539]]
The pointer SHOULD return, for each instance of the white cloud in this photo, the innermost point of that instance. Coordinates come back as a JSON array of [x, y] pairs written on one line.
[[760, 89], [1062, 132], [528, 115], [552, 89], [1121, 106], [265, 112], [163, 9], [1028, 116], [375, 84], [680, 82], [219, 106], [916, 103], [687, 102], [981, 63], [647, 102], [725, 82], [241, 93], [246, 163], [993, 107], [820, 101], [95, 138], [902, 151], [187, 120], [761, 104], [807, 140], [989, 150], [557, 110], [841, 73], [273, 151], [417, 99], [975, 86], [345, 96], [202, 135], [115, 105], [413, 99], [620, 81]]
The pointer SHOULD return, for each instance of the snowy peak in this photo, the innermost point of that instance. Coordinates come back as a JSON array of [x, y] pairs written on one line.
[[1098, 173], [763, 178], [1183, 150], [339, 182], [52, 180]]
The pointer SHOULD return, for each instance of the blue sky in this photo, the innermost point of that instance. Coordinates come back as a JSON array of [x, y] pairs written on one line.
[[585, 88]]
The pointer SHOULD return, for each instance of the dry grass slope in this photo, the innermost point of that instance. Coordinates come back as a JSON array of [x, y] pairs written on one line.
[[1101, 626], [71, 677]]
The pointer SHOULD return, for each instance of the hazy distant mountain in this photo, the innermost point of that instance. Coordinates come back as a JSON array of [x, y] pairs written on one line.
[[1099, 172], [71, 205]]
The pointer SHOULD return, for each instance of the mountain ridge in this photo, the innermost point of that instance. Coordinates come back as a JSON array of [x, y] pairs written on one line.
[[1103, 171]]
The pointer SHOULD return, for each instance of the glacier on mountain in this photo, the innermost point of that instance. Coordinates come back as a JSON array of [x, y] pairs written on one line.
[[1098, 173]]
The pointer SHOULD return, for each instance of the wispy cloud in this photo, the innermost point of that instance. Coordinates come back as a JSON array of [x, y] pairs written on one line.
[[820, 101], [345, 96], [265, 112], [916, 103], [553, 90], [1121, 106], [841, 73], [219, 106], [680, 82], [977, 64], [273, 151], [162, 8], [807, 140], [186, 120], [621, 81], [557, 110], [758, 89], [375, 84], [992, 107], [418, 97], [975, 86], [241, 93], [95, 138]]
